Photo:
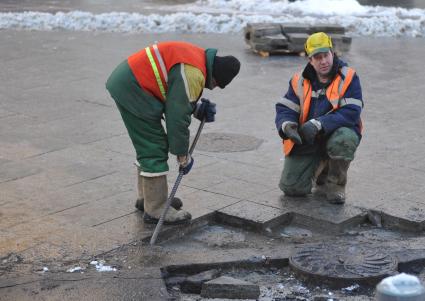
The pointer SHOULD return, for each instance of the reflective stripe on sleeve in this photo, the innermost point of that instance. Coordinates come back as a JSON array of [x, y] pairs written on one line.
[[334, 102], [186, 86], [351, 101], [155, 71], [289, 104], [161, 62]]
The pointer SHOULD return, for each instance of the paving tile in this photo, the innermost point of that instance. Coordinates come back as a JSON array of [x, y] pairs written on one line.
[[15, 170], [252, 214], [120, 144], [272, 198], [212, 201], [28, 235], [125, 229], [197, 178], [237, 188], [301, 205], [335, 214], [16, 212], [196, 210], [250, 173], [228, 287], [403, 213], [98, 212]]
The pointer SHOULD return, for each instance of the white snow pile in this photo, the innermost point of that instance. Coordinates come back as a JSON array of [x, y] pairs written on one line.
[[101, 267], [74, 269], [230, 16]]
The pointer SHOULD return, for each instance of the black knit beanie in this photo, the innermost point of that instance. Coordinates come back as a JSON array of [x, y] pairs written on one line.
[[225, 68]]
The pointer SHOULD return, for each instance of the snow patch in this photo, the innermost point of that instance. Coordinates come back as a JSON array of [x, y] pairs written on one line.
[[230, 16], [101, 267], [74, 269]]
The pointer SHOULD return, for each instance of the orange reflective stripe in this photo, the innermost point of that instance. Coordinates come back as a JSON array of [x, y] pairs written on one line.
[[339, 86], [347, 82], [332, 92], [294, 82], [306, 102], [302, 89]]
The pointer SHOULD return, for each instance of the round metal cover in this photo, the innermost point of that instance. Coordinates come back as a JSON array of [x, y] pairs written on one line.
[[225, 142], [342, 264]]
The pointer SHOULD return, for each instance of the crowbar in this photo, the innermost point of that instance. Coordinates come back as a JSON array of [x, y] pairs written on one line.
[[174, 190]]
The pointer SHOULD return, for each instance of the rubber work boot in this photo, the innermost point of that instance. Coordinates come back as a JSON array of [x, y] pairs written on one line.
[[176, 203], [155, 190], [337, 178], [320, 190], [320, 177]]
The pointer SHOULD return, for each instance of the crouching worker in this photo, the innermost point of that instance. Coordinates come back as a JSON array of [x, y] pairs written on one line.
[[165, 81], [319, 122]]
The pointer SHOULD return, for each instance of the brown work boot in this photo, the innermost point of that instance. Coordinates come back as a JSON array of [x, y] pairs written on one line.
[[155, 190], [336, 181]]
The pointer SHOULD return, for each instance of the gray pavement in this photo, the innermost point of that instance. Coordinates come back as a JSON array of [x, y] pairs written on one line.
[[67, 183]]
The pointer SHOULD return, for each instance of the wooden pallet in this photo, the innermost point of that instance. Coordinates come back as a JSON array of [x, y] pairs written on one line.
[[289, 38]]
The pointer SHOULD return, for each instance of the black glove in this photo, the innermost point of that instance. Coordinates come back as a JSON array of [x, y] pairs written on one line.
[[291, 132], [186, 166], [205, 109], [309, 131]]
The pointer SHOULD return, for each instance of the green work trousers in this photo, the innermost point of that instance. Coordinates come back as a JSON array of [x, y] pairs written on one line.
[[142, 115], [300, 170]]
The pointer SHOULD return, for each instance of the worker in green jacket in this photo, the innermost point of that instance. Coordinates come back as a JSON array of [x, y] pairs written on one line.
[[165, 81]]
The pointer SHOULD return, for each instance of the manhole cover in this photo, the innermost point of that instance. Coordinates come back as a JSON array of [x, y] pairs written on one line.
[[225, 142], [340, 265]]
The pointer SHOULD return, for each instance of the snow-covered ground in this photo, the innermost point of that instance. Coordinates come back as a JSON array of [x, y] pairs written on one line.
[[224, 16]]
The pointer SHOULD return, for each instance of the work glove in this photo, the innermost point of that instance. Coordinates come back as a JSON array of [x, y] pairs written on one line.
[[205, 109], [309, 131], [185, 163], [290, 130]]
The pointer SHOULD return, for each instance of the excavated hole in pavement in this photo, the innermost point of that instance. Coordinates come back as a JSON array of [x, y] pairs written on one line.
[[213, 243], [279, 281], [280, 284]]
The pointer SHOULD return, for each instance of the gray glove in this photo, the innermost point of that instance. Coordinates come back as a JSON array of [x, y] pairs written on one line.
[[309, 131], [290, 130]]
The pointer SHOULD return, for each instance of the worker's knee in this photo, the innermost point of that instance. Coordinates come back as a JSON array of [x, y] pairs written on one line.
[[293, 184], [151, 167], [342, 144]]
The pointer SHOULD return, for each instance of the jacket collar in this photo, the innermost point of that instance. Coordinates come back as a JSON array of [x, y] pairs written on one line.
[[310, 74], [210, 55]]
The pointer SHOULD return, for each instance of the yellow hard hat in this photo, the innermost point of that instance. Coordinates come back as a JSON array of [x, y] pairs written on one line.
[[318, 42]]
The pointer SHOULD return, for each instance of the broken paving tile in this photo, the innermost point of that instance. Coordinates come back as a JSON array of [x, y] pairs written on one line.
[[342, 216], [230, 288], [193, 284], [403, 215]]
